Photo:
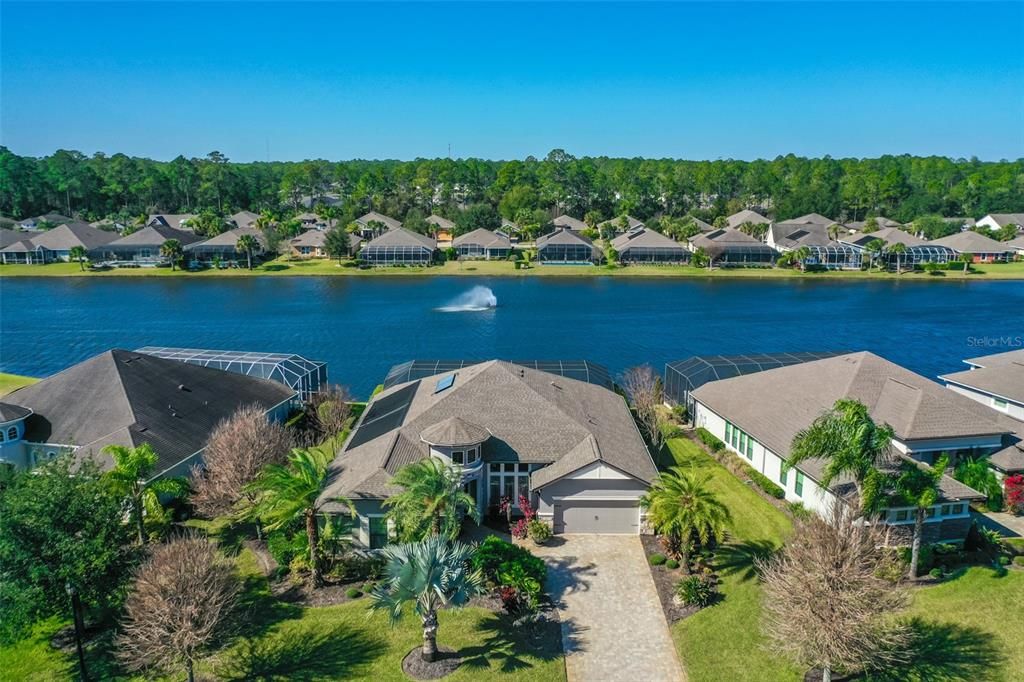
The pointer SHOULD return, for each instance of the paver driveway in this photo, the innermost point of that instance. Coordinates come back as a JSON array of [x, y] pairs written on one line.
[[612, 624]]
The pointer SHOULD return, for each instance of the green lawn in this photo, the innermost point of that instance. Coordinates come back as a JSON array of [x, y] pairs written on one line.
[[9, 382]]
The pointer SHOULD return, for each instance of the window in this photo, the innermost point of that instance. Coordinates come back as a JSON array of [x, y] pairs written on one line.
[[12, 433], [471, 456], [783, 475], [945, 510], [457, 457], [930, 513], [799, 486], [378, 531], [901, 515], [958, 509], [743, 442], [495, 466], [750, 448], [728, 432]]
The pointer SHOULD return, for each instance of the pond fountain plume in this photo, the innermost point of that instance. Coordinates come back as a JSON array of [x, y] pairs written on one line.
[[477, 299]]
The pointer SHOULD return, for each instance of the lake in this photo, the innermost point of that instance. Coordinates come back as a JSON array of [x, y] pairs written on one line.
[[363, 325]]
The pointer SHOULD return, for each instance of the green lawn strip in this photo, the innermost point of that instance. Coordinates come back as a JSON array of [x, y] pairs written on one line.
[[10, 382]]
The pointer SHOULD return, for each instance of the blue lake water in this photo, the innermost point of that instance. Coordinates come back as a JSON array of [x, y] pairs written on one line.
[[362, 326]]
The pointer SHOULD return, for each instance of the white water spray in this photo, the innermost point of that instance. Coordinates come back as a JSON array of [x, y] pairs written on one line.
[[475, 300]]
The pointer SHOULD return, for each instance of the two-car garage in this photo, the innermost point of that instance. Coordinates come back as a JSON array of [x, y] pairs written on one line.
[[618, 517], [597, 498]]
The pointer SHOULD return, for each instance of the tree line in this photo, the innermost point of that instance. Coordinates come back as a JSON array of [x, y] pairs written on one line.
[[899, 187]]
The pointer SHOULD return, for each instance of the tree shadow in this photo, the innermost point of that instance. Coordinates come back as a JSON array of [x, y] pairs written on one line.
[[310, 652], [740, 559], [507, 643], [257, 608], [943, 652], [565, 576]]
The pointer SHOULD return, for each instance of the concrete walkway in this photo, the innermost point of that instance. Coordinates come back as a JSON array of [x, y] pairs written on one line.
[[613, 627], [1005, 524]]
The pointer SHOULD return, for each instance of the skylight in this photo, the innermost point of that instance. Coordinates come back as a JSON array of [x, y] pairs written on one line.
[[444, 382]]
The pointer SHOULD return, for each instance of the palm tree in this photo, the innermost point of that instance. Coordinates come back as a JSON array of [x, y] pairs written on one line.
[[130, 479], [834, 230], [78, 253], [247, 244], [852, 444], [898, 249], [292, 490], [680, 505], [432, 574], [801, 255], [966, 259], [172, 250], [875, 247], [432, 502], [918, 486]]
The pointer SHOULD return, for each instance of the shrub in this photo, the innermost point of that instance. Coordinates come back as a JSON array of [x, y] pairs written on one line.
[[935, 573], [1013, 493], [1015, 545], [495, 556], [696, 590], [1004, 560], [354, 568], [285, 544], [680, 412], [353, 593], [1018, 561], [798, 510], [710, 439], [657, 559], [540, 531], [672, 563], [766, 484]]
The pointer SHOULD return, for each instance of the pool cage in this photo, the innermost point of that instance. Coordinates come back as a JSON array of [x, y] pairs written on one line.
[[740, 255], [919, 255], [581, 370], [581, 254], [685, 376], [835, 257], [305, 377], [403, 254], [654, 254]]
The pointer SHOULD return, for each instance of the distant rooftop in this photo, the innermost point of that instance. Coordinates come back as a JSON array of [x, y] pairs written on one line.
[[581, 370]]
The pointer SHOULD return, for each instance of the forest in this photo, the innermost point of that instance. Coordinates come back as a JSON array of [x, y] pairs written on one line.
[[899, 187]]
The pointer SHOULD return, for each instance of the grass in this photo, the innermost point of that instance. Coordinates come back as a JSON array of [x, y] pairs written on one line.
[[10, 382], [283, 267]]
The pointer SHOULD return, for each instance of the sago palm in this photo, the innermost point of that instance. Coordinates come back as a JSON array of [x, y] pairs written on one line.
[[432, 502], [431, 575], [680, 505], [918, 486], [130, 479]]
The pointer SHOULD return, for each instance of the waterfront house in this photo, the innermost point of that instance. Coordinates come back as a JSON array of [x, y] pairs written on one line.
[[483, 244], [616, 226], [983, 248], [997, 221], [757, 416], [8, 237], [825, 251], [224, 248], [564, 247], [644, 245], [142, 248], [56, 244], [916, 252], [312, 244], [727, 247], [176, 221], [569, 223], [127, 398], [1016, 245], [373, 224], [443, 230], [888, 236], [399, 247], [746, 216], [571, 447]]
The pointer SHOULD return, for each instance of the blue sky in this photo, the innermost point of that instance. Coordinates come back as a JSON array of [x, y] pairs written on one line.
[[388, 80]]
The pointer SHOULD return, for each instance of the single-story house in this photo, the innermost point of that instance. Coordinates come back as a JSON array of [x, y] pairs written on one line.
[[746, 216], [996, 381], [8, 237], [224, 247], [643, 245], [38, 221], [143, 247], [245, 219], [727, 247], [444, 230], [565, 246], [1016, 245], [997, 221], [888, 235], [122, 397], [569, 223], [312, 220], [399, 247], [758, 415], [311, 244], [982, 247], [571, 447], [482, 243], [616, 226], [917, 251], [373, 224], [825, 252], [881, 222], [177, 221], [56, 244]]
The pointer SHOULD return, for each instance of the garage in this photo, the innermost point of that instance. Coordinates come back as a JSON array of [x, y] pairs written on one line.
[[619, 517]]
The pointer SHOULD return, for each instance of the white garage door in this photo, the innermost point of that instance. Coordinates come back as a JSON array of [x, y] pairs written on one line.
[[597, 516]]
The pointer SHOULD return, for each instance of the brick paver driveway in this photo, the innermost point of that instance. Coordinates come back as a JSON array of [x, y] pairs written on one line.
[[612, 624]]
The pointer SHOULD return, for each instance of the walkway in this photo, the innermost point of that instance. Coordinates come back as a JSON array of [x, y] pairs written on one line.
[[613, 627], [1005, 524]]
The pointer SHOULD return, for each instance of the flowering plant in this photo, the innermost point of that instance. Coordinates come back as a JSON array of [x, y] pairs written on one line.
[[1014, 488]]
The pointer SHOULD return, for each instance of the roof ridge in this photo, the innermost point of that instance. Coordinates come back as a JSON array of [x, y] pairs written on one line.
[[508, 368]]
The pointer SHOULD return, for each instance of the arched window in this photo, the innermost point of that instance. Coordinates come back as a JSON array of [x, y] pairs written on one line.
[[12, 433]]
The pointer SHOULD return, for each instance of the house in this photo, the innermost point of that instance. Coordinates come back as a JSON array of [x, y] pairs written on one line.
[[8, 237], [917, 251], [643, 245], [373, 224], [615, 225], [703, 226], [311, 244], [142, 248], [1016, 245], [482, 243], [746, 216], [571, 447], [757, 416], [224, 247], [825, 251], [245, 219], [727, 247], [983, 248], [123, 397], [513, 230], [56, 244], [565, 246], [41, 221], [312, 220], [569, 223], [444, 230], [997, 221], [177, 221], [881, 222], [399, 247], [888, 236]]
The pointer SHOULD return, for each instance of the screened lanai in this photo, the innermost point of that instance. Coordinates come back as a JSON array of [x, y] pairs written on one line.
[[581, 370], [835, 256]]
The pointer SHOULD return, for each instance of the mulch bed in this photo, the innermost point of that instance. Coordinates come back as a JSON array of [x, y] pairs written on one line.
[[446, 662], [665, 580]]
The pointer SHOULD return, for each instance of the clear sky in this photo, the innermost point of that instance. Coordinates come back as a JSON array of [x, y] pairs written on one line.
[[337, 81]]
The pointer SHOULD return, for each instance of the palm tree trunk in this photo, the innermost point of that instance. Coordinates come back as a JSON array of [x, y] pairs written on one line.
[[140, 526], [429, 652], [248, 255], [684, 554], [915, 548], [435, 523], [313, 535]]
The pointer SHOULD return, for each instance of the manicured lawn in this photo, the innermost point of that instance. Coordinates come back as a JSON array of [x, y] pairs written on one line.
[[9, 382]]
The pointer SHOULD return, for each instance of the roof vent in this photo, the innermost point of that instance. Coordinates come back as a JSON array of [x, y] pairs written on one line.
[[553, 384], [181, 387]]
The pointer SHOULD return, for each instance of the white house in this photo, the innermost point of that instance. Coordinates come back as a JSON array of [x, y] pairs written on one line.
[[997, 221]]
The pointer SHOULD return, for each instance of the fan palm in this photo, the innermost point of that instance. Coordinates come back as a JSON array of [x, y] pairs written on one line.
[[247, 244], [852, 444], [290, 491], [918, 486], [130, 479], [432, 502], [680, 505], [172, 250], [432, 574]]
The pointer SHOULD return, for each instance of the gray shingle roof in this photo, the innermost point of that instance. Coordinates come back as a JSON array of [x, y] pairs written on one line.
[[569, 222], [995, 359], [8, 237], [889, 235], [746, 216], [724, 237], [154, 236], [646, 238], [1004, 219], [485, 238], [454, 432], [69, 235], [11, 413], [374, 217], [789, 236], [229, 239], [440, 222], [174, 220], [312, 238], [563, 236], [402, 237], [970, 241], [1005, 380]]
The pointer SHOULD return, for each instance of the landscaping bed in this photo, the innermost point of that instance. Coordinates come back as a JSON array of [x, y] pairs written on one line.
[[665, 580]]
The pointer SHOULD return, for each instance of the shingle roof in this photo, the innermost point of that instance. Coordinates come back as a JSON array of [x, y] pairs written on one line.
[[374, 217], [631, 223], [532, 416], [1015, 244], [402, 237], [485, 238], [1004, 219], [889, 235], [311, 238], [881, 221], [970, 241], [69, 235], [127, 398], [1004, 380], [646, 238], [12, 413], [787, 235], [154, 235], [704, 227], [443, 223], [8, 237], [995, 359], [563, 235], [55, 218], [23, 245], [244, 218], [812, 218], [569, 222], [454, 432], [724, 237], [229, 239], [746, 216]]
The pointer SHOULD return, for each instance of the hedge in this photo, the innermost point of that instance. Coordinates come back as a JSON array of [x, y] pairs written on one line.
[[710, 439]]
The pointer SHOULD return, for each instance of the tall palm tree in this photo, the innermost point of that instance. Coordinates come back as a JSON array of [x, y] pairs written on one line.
[[918, 486], [801, 255], [875, 247], [247, 244], [852, 444], [898, 249], [680, 505], [78, 253], [130, 479], [172, 250], [291, 491], [432, 574], [432, 501]]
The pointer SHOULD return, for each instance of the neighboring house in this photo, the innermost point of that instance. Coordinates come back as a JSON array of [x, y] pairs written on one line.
[[727, 247], [572, 448], [1016, 245], [482, 243], [983, 248], [373, 224], [312, 244], [176, 221], [143, 247], [643, 245], [399, 247], [881, 222], [56, 244], [244, 219], [615, 225], [569, 223], [997, 221], [758, 415], [512, 229], [224, 247], [825, 252], [312, 220], [564, 246], [888, 235], [444, 230], [8, 237], [746, 216], [108, 225], [917, 250], [328, 199], [122, 397], [45, 219]]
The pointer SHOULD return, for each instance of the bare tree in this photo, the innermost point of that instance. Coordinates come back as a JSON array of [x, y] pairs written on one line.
[[825, 604], [643, 386], [237, 451], [329, 410], [177, 607]]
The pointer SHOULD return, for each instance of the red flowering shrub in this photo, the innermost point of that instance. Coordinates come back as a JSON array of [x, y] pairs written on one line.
[[520, 529], [1013, 488]]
